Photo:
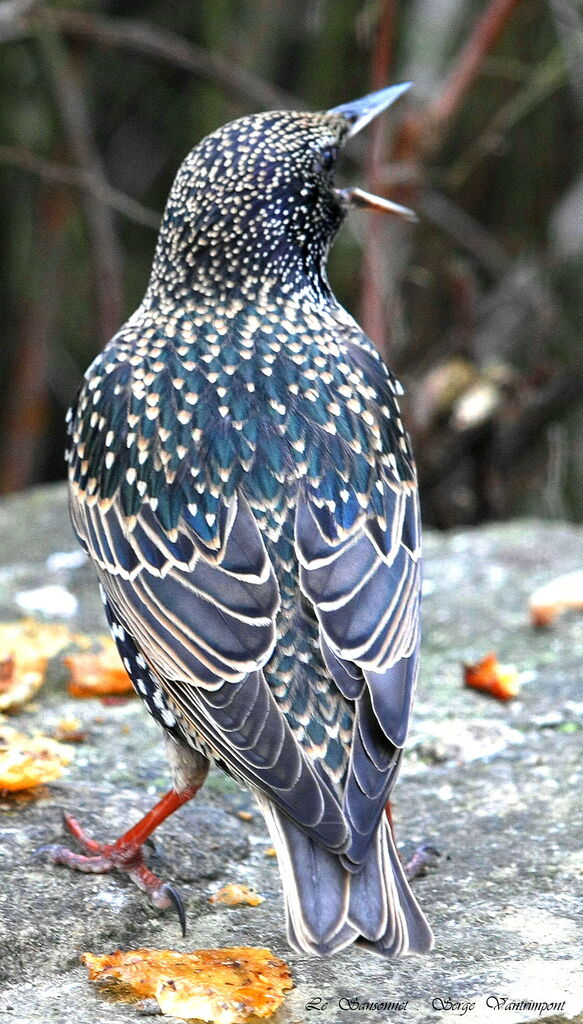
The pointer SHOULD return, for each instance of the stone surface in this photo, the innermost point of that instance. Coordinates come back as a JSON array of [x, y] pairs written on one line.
[[496, 787]]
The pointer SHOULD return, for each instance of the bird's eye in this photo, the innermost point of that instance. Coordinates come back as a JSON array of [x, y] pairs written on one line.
[[325, 160]]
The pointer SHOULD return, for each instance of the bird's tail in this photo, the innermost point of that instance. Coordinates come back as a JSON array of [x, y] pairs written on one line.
[[328, 907]]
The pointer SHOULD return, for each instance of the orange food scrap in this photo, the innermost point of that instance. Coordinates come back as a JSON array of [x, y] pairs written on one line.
[[69, 730], [25, 650], [100, 674], [500, 681], [233, 895], [562, 594], [245, 815], [271, 851], [26, 761], [225, 986]]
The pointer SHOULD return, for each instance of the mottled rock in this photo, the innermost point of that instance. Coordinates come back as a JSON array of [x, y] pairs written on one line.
[[496, 787]]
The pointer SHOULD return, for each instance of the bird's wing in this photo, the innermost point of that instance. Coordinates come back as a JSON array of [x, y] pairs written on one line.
[[364, 581], [204, 620]]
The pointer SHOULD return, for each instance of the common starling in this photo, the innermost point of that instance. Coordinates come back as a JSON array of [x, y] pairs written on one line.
[[241, 479]]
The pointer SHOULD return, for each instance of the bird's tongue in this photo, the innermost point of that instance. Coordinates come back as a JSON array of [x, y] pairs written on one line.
[[366, 200]]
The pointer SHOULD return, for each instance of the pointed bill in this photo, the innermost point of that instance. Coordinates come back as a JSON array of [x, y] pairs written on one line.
[[360, 112]]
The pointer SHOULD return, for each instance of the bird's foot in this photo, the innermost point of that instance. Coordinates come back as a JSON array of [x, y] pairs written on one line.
[[126, 853], [119, 856], [424, 860]]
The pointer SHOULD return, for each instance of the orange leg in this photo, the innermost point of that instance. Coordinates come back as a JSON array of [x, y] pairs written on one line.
[[126, 853], [389, 814]]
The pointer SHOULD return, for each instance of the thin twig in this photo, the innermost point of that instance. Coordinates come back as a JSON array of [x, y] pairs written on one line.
[[481, 41], [422, 133], [374, 261], [63, 174], [547, 76], [569, 25], [72, 110], [155, 42], [25, 411], [466, 231]]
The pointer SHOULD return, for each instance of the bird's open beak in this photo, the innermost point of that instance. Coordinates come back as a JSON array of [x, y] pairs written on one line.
[[358, 114]]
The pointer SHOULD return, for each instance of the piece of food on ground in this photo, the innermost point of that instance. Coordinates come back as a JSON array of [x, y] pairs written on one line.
[[225, 986]]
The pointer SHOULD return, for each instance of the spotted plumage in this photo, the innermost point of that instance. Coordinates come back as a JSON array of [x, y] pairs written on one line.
[[240, 476]]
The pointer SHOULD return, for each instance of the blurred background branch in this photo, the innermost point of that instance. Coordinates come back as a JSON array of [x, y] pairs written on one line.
[[479, 308], [469, 64], [66, 90], [64, 174]]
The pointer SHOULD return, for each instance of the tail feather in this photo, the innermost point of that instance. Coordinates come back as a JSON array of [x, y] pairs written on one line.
[[419, 934], [371, 895], [307, 873], [329, 907]]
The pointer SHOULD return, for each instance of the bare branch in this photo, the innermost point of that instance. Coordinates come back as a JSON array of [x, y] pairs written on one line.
[[70, 103], [155, 42], [467, 232], [372, 301], [547, 76], [481, 41], [63, 174], [569, 25]]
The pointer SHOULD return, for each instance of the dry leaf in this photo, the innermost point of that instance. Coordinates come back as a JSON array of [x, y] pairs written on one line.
[[25, 650], [34, 638], [100, 674], [554, 598], [19, 680], [29, 761], [234, 895], [225, 986], [500, 681]]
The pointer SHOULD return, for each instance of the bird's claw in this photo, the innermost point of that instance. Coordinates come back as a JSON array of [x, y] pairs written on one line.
[[424, 859], [173, 897], [50, 850]]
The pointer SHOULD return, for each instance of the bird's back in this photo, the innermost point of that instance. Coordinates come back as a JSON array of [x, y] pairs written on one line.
[[182, 411]]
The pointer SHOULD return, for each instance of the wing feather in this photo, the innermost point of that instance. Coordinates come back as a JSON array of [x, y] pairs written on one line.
[[262, 750], [365, 591], [204, 620]]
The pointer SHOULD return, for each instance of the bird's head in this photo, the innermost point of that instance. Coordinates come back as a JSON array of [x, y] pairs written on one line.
[[255, 203]]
